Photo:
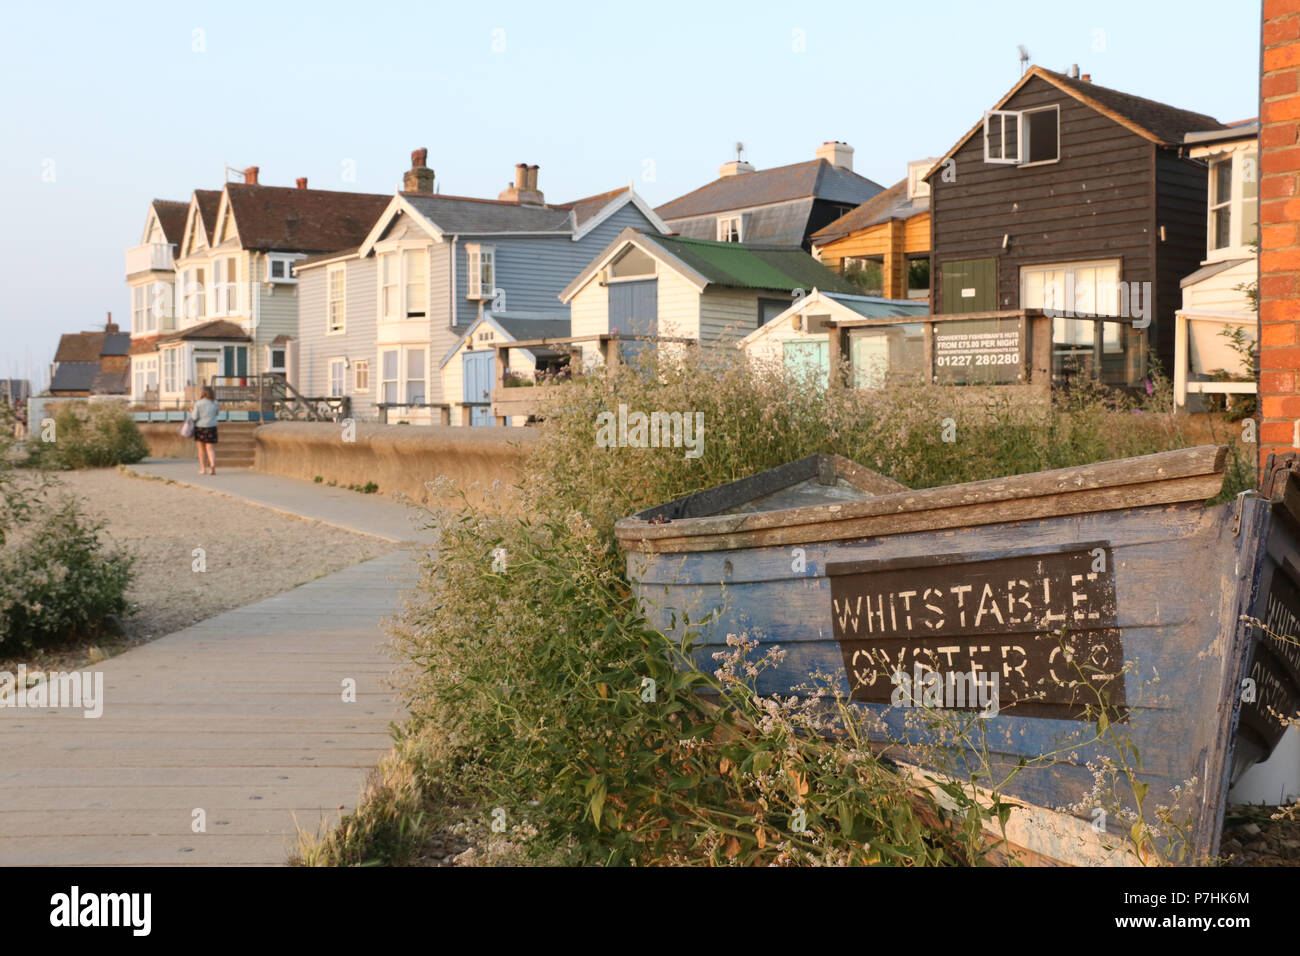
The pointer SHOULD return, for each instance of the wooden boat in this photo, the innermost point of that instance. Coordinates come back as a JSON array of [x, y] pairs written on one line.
[[1102, 588]]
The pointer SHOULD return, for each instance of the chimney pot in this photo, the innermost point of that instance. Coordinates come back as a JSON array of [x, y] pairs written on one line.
[[302, 182], [521, 175], [250, 175], [1087, 77], [532, 178], [419, 157]]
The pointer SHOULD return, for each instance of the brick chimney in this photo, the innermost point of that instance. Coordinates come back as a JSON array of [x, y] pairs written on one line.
[[1087, 77], [109, 325], [250, 176], [524, 189], [302, 182], [419, 178], [837, 154]]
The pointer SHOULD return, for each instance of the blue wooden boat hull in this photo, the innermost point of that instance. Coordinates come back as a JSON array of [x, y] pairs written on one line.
[[1182, 581]]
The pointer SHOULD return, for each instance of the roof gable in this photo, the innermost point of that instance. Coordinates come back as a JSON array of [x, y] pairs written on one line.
[[1159, 123], [844, 306]]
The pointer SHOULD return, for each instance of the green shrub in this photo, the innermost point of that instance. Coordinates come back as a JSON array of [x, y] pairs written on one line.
[[88, 435], [57, 580], [528, 684]]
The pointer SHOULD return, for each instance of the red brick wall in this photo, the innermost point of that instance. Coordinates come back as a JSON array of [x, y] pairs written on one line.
[[1279, 216]]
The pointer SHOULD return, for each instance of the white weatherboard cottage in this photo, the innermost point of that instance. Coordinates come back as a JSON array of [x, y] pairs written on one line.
[[378, 321]]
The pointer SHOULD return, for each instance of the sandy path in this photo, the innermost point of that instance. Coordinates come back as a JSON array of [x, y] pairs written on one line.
[[249, 552]]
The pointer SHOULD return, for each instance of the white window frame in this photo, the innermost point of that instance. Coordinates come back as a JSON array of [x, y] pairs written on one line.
[[724, 230], [396, 380], [287, 261], [403, 380], [1112, 332], [331, 327], [226, 289], [270, 358], [421, 254], [1027, 137], [336, 374], [475, 254], [361, 376], [1002, 116], [390, 307], [1232, 204]]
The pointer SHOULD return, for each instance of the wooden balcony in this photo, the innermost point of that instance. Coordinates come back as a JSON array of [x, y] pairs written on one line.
[[150, 257]]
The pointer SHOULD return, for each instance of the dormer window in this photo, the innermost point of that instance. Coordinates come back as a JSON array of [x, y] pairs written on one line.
[[729, 229], [1022, 137]]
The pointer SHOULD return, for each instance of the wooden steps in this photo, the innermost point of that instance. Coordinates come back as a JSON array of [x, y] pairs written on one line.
[[236, 444]]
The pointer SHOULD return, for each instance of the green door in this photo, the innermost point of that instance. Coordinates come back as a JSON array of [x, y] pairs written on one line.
[[808, 360], [969, 285]]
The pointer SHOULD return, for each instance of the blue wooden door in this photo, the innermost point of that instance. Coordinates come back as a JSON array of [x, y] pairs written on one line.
[[634, 310], [477, 370]]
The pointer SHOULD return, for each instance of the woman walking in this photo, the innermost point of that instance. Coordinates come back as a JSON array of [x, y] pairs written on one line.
[[205, 430]]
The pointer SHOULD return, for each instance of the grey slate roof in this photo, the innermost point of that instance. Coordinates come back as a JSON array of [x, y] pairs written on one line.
[[74, 376], [464, 216], [523, 329], [110, 383], [871, 307], [116, 343], [815, 179]]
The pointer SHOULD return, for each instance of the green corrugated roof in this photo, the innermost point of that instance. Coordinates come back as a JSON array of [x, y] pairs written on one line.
[[751, 267]]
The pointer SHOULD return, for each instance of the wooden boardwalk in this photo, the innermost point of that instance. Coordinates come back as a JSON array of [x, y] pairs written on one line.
[[241, 716]]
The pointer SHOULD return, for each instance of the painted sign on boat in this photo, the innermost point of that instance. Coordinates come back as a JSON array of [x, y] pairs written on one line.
[[1045, 623]]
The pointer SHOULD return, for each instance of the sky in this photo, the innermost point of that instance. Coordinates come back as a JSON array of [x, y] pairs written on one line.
[[104, 107]]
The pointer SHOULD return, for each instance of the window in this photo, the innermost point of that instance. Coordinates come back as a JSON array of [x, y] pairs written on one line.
[[1221, 204], [865, 272], [171, 381], [729, 229], [480, 270], [415, 375], [227, 286], [632, 264], [1002, 137], [276, 360], [195, 294], [389, 370], [1086, 288], [769, 309], [388, 267], [1249, 198], [338, 369], [1042, 135], [337, 280], [417, 285], [140, 309], [361, 375], [1022, 137], [280, 269]]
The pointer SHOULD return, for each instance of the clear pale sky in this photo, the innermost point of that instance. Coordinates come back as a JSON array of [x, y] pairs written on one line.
[[119, 103]]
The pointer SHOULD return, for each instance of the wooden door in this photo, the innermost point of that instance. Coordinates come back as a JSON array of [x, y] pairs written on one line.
[[968, 285], [634, 310], [477, 368]]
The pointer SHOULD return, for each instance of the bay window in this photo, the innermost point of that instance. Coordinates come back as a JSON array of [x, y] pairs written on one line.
[[388, 288]]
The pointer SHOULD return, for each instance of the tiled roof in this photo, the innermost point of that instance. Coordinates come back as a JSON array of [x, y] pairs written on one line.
[[110, 383], [815, 179], [214, 329], [144, 345], [171, 216], [209, 201], [302, 220], [748, 267], [584, 209], [1167, 123], [891, 204], [466, 216], [80, 347]]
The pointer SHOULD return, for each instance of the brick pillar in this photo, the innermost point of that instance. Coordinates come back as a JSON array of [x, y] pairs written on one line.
[[1279, 214]]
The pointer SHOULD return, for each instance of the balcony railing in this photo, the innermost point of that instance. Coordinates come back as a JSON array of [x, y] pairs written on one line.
[[150, 257]]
